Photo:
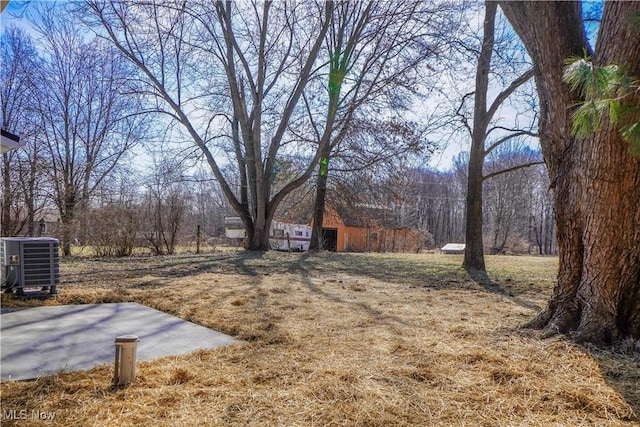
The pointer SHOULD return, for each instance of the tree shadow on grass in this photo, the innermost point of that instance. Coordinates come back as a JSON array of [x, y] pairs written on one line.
[[482, 279], [163, 266], [620, 367], [301, 267]]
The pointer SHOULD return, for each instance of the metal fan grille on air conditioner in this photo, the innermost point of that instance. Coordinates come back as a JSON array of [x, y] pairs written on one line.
[[29, 262]]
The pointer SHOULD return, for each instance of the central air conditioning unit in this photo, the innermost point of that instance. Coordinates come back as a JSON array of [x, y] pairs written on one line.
[[28, 262]]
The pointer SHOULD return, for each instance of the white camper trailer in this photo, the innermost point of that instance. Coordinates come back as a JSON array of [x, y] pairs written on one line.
[[282, 236], [289, 237]]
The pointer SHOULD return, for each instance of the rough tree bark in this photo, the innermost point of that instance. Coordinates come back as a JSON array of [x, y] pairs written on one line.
[[596, 181]]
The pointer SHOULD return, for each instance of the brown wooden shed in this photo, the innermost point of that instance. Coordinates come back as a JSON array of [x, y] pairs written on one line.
[[367, 229]]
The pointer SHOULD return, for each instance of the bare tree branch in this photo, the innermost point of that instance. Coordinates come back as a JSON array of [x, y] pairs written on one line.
[[511, 169]]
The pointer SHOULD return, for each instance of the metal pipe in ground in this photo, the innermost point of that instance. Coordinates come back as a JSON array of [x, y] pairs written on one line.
[[125, 363]]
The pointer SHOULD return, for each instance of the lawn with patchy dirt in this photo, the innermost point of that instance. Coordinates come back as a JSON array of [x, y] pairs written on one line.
[[338, 339]]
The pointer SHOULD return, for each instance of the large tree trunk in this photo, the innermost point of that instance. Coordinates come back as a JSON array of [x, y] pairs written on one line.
[[482, 117], [596, 181], [474, 246], [259, 240], [67, 219]]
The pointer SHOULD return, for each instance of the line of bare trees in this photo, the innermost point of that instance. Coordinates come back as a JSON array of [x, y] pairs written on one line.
[[167, 208], [517, 214], [161, 211], [350, 102], [75, 100], [252, 84]]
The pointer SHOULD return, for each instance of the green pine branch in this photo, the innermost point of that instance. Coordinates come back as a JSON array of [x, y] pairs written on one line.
[[606, 92]]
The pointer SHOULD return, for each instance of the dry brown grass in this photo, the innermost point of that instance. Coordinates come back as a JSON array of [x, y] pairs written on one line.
[[339, 339]]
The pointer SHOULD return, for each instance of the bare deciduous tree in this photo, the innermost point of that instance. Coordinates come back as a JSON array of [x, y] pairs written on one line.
[[508, 205], [114, 218], [165, 205], [542, 214], [377, 54], [232, 75], [484, 125], [90, 121], [22, 174]]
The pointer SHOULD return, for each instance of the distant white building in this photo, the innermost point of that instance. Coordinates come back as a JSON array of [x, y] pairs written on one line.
[[453, 248], [234, 227]]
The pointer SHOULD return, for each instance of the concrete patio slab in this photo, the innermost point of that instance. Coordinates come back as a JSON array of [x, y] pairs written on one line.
[[47, 340]]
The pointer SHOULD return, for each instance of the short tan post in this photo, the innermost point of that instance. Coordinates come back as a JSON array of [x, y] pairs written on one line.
[[125, 365]]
